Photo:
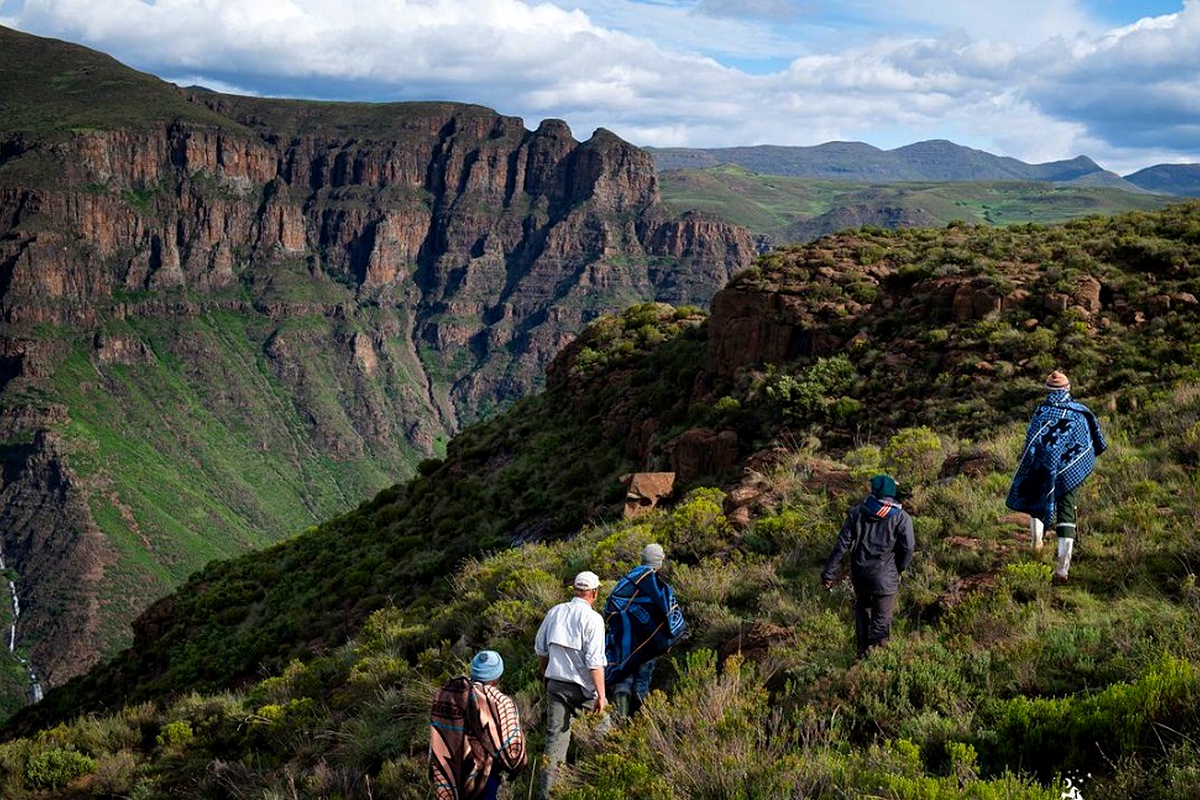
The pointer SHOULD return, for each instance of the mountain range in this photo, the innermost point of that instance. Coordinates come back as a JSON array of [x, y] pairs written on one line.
[[933, 160], [306, 669]]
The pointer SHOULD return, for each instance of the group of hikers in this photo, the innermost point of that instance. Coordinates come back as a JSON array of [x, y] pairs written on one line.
[[587, 659]]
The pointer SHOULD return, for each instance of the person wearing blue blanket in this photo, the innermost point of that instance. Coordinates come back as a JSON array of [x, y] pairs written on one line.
[[642, 621], [878, 535], [1061, 445]]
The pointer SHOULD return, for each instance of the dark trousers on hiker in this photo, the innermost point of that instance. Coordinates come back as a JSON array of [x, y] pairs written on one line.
[[1066, 513], [564, 701], [872, 619], [628, 693]]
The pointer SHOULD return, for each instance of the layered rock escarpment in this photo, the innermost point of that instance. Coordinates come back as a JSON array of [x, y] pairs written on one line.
[[501, 242], [319, 292]]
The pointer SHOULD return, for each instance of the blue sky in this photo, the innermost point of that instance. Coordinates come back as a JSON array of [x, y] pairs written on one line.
[[1038, 80]]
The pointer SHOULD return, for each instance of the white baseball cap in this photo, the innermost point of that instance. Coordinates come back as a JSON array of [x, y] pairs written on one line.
[[587, 580]]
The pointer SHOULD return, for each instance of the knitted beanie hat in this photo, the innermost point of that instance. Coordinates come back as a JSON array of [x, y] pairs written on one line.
[[653, 555], [1057, 380], [883, 486], [487, 665]]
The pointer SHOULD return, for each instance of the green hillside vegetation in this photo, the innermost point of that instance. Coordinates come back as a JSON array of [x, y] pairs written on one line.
[[231, 620], [998, 695], [778, 206], [306, 670], [204, 447], [85, 90]]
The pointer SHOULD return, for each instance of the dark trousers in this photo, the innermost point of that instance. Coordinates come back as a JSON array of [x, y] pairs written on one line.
[[492, 790], [1064, 524], [872, 619], [564, 701]]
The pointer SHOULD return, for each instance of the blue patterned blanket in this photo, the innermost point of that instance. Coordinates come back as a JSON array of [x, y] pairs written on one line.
[[1061, 446], [642, 621]]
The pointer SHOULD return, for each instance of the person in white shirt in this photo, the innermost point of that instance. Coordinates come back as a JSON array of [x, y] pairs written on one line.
[[570, 649]]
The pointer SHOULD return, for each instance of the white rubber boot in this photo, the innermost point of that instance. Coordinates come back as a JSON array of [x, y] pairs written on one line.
[[1065, 548], [1036, 528]]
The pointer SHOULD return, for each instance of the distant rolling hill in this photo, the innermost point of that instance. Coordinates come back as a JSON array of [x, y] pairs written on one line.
[[1182, 180], [934, 160], [781, 209]]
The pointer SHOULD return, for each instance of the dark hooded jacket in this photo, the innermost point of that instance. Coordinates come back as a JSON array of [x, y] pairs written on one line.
[[878, 534]]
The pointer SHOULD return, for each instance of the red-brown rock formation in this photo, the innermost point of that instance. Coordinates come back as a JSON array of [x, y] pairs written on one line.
[[439, 255]]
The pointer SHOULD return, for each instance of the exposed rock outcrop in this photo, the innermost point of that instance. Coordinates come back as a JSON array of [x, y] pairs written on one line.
[[49, 539], [400, 270]]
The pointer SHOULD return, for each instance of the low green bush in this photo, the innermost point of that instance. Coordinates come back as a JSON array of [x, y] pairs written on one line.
[[55, 767]]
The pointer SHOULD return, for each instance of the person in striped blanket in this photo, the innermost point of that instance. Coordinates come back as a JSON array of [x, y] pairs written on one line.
[[1061, 445], [642, 622], [475, 733]]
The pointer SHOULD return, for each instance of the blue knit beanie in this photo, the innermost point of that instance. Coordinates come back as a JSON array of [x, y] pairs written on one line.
[[487, 665], [883, 486]]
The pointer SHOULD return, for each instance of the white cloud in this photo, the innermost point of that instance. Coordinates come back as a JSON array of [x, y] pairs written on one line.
[[1037, 80], [186, 81]]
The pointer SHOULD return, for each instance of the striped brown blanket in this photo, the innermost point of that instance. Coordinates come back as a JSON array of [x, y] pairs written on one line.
[[475, 729]]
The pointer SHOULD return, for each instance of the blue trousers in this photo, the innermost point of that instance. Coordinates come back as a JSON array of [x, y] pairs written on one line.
[[637, 682]]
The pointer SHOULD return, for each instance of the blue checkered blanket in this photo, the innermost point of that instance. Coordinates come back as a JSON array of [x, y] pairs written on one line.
[[642, 620], [1061, 446]]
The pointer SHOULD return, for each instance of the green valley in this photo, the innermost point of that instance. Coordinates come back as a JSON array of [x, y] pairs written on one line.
[[785, 209]]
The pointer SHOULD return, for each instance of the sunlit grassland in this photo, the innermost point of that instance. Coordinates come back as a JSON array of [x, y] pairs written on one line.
[[770, 204]]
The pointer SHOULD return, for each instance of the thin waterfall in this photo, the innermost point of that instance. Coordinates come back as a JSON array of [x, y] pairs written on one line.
[[35, 685]]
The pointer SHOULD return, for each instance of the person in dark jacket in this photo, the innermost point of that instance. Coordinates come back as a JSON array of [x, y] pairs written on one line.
[[878, 535]]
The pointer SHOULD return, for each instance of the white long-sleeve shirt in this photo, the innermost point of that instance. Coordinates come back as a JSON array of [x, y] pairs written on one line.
[[571, 637]]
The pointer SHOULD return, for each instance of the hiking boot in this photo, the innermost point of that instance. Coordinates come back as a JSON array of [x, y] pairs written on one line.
[[1059, 580], [1036, 529], [1066, 547]]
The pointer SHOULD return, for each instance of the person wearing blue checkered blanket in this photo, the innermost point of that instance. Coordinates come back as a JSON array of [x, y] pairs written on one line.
[[1061, 445]]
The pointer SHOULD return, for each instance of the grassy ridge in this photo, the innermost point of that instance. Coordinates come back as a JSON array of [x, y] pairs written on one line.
[[995, 684], [773, 205], [85, 90]]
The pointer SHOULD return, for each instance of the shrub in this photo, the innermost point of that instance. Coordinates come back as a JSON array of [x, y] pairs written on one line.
[[810, 394], [914, 455], [1075, 733], [175, 735], [714, 736], [696, 527], [56, 767], [115, 774]]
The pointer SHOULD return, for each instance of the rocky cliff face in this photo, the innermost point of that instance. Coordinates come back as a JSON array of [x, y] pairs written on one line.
[[305, 285]]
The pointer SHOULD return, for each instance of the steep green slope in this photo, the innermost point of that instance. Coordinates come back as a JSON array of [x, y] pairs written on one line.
[[898, 337], [191, 446], [996, 684], [83, 90], [787, 209]]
